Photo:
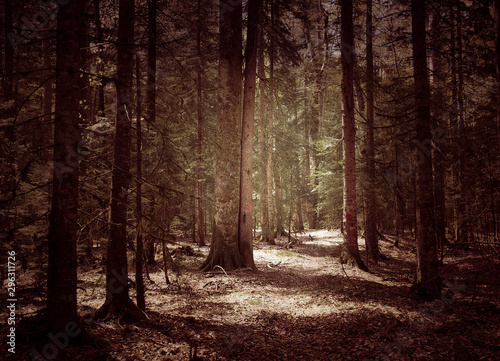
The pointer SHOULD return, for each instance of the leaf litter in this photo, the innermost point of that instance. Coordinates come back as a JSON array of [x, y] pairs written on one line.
[[301, 305]]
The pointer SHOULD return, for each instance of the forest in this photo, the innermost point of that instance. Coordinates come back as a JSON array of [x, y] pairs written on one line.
[[250, 180]]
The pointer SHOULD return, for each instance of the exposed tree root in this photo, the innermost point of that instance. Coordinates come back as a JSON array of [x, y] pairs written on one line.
[[352, 260], [126, 310]]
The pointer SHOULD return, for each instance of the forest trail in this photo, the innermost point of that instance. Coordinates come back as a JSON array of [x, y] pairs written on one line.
[[301, 305]]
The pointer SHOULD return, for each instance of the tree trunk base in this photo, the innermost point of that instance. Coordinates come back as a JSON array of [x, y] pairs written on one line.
[[40, 328], [428, 291], [351, 260], [127, 310]]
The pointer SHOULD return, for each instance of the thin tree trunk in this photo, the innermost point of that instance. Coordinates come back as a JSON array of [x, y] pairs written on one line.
[[151, 90], [427, 263], [351, 252], [370, 197], [100, 64], [200, 220], [139, 255], [63, 226], [224, 249], [270, 135], [48, 95], [463, 233], [264, 214], [307, 157], [437, 66], [280, 230], [246, 219], [117, 296]]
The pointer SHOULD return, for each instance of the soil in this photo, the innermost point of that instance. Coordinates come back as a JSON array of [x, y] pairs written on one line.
[[301, 305]]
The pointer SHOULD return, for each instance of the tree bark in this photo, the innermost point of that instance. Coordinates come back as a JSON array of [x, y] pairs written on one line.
[[307, 158], [139, 254], [151, 90], [200, 219], [63, 226], [246, 219], [270, 135], [438, 160], [280, 230], [101, 112], [224, 249], [264, 214], [371, 236], [427, 264], [351, 252], [48, 95], [117, 296]]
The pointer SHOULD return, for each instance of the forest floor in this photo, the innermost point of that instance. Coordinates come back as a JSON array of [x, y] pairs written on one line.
[[301, 305]]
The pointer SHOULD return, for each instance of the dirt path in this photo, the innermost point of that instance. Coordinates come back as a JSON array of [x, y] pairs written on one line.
[[301, 305]]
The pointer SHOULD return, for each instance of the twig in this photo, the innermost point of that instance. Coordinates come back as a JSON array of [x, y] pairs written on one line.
[[347, 276], [217, 266]]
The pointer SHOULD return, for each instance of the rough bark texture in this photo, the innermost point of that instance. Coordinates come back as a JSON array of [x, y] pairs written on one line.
[[62, 263], [427, 264], [370, 197], [246, 219], [224, 250], [351, 253], [117, 297]]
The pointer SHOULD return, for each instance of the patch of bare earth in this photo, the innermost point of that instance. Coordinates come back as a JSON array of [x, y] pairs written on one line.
[[303, 305]]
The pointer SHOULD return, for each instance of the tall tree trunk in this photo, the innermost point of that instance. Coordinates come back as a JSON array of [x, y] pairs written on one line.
[[63, 226], [270, 135], [200, 219], [370, 198], [437, 68], [139, 252], [264, 214], [427, 263], [456, 123], [117, 296], [151, 90], [48, 95], [246, 219], [224, 249], [307, 157], [85, 98], [100, 65], [351, 252]]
